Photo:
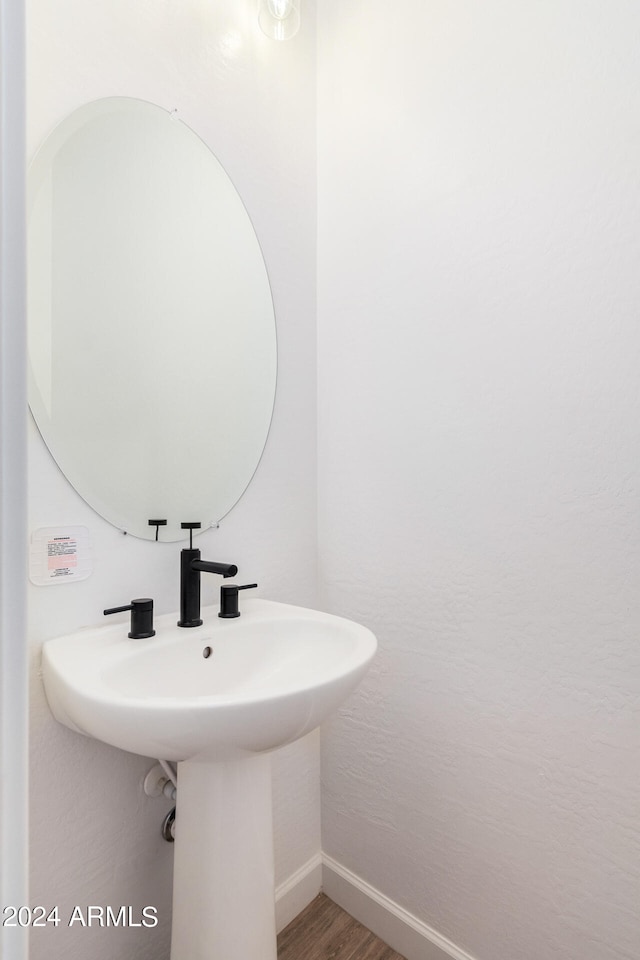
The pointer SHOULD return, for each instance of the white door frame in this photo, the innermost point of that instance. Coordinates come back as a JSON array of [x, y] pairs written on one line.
[[13, 480]]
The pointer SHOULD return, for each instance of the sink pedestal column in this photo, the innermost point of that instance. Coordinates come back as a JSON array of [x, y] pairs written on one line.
[[223, 874]]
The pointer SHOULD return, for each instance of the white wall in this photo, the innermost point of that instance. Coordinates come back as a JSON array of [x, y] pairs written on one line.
[[95, 836], [479, 228]]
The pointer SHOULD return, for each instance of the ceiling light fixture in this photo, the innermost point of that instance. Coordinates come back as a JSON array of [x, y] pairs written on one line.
[[279, 19]]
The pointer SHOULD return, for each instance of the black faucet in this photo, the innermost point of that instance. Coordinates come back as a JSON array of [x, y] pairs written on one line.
[[191, 566], [229, 600], [141, 617]]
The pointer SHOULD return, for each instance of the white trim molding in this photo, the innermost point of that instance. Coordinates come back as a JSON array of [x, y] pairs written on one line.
[[13, 475], [403, 932], [295, 893]]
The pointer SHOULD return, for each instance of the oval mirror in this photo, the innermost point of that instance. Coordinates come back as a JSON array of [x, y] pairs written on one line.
[[151, 330]]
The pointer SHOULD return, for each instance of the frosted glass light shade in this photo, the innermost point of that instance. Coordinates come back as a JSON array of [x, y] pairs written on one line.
[[279, 19]]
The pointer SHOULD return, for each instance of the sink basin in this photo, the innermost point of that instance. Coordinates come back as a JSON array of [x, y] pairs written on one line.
[[222, 690], [218, 699]]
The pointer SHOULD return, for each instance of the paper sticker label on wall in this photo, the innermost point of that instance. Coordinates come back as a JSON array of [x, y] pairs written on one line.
[[59, 554]]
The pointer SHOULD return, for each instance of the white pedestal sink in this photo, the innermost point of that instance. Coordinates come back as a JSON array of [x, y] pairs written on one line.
[[216, 698]]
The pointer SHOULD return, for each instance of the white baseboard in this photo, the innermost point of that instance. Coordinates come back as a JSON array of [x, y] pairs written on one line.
[[293, 895], [403, 932]]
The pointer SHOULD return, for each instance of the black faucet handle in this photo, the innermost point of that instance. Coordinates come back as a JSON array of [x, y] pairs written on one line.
[[141, 617], [229, 599]]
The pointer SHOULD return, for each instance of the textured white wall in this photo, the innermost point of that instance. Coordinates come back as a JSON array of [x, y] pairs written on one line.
[[95, 836], [479, 227]]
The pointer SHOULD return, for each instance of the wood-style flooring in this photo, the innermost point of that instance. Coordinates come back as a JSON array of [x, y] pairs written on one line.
[[323, 931]]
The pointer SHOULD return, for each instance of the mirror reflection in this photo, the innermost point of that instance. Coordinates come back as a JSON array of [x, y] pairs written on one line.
[[151, 328]]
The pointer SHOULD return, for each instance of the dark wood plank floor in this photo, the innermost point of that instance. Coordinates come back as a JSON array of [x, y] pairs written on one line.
[[323, 931]]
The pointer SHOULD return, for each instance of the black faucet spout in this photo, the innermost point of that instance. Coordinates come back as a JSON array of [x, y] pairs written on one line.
[[209, 566], [190, 568]]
